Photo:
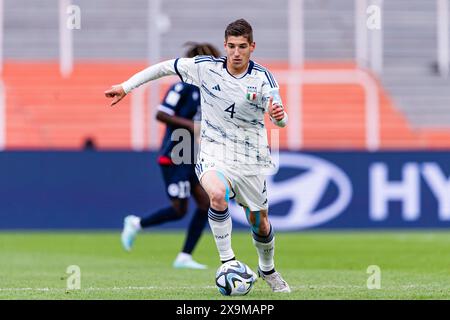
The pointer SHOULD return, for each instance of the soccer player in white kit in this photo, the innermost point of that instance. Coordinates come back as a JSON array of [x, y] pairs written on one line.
[[234, 155]]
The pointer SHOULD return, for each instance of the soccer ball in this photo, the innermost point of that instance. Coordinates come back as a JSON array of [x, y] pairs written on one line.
[[235, 278]]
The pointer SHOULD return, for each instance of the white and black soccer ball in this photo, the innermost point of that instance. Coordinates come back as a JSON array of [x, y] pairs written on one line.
[[235, 278]]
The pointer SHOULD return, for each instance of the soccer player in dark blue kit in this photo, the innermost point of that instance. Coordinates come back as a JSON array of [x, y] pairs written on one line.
[[179, 110]]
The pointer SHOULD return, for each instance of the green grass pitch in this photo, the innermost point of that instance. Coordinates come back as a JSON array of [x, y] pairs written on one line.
[[317, 265]]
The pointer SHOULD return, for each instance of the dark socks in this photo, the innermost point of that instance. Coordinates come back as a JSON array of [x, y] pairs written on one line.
[[195, 230], [160, 216]]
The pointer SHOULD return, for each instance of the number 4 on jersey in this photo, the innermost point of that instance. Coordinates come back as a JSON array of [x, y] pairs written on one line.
[[230, 109]]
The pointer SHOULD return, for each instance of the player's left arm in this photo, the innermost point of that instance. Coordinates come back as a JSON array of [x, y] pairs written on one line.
[[272, 100], [277, 114]]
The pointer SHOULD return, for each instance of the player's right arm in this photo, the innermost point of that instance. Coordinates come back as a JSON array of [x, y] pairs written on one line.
[[175, 121], [185, 68]]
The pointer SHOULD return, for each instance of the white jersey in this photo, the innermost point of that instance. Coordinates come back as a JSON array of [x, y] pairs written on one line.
[[232, 126]]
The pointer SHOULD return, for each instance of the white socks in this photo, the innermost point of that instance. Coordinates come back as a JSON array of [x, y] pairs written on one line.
[[221, 226], [265, 247]]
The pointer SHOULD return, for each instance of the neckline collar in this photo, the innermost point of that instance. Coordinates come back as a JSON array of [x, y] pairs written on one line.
[[251, 64]]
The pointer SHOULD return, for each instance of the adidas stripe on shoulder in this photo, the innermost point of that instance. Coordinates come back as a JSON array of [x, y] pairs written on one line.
[[267, 74], [200, 59]]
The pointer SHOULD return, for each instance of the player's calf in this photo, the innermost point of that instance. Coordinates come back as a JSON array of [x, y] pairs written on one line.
[[221, 226]]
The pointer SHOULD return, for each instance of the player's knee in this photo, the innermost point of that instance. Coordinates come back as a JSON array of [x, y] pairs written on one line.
[[180, 210], [203, 206], [218, 199], [203, 203]]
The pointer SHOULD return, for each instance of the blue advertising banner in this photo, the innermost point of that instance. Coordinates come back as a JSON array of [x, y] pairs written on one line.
[[321, 190]]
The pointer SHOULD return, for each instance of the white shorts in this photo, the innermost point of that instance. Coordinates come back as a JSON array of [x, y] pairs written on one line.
[[247, 191]]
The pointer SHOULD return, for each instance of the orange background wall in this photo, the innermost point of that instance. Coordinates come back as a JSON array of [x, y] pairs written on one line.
[[45, 111]]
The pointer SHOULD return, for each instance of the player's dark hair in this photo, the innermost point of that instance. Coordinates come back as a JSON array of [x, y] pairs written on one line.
[[201, 49], [238, 28]]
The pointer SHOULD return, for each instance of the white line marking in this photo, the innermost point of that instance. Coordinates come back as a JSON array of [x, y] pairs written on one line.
[[301, 287]]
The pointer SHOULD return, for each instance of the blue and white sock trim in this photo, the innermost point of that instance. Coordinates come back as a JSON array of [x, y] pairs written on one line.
[[264, 239], [218, 216]]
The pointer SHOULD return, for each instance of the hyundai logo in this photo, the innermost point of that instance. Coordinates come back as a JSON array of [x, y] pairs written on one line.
[[305, 191]]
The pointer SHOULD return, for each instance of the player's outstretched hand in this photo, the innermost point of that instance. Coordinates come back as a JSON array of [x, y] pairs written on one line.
[[275, 110], [116, 92]]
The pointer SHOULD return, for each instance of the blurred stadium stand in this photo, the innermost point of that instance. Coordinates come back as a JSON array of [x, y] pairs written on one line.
[[45, 110]]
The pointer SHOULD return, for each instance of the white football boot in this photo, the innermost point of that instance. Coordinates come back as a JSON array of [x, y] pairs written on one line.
[[275, 281], [185, 261], [131, 227]]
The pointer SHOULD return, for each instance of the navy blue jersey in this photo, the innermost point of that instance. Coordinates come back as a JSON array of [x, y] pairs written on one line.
[[182, 100]]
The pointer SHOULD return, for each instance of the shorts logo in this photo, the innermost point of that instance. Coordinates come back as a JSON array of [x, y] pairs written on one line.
[[208, 165], [251, 93]]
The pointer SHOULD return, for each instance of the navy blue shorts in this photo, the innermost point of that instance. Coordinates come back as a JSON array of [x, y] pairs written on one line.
[[179, 179]]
